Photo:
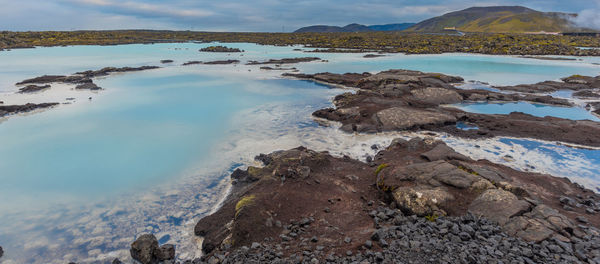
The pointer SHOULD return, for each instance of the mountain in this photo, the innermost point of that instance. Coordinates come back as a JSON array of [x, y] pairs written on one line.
[[497, 19], [355, 28]]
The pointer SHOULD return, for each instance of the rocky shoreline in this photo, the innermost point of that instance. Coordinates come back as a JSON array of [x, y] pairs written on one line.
[[416, 201]]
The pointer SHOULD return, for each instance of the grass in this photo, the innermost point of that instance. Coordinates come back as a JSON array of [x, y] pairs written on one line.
[[431, 218], [245, 201]]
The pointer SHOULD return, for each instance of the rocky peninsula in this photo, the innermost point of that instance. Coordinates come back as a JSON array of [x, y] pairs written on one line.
[[416, 200]]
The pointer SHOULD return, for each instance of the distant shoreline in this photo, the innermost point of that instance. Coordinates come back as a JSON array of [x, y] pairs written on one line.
[[389, 42]]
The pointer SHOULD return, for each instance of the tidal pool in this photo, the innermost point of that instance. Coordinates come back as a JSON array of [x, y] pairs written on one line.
[[540, 110]]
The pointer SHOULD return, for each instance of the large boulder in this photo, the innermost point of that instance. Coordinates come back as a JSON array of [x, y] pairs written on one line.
[[429, 173], [403, 118], [422, 201], [541, 223], [498, 205], [1, 252], [145, 249], [436, 96]]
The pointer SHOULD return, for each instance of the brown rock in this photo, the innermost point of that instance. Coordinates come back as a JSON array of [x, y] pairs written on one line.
[[436, 96], [443, 152], [498, 205], [143, 249], [422, 201], [403, 118]]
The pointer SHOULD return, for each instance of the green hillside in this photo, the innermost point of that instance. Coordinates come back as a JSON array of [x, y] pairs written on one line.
[[497, 19]]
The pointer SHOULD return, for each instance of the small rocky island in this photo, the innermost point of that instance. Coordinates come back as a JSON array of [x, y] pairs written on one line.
[[220, 49]]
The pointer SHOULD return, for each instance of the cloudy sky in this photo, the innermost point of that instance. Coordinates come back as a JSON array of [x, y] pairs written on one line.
[[241, 15]]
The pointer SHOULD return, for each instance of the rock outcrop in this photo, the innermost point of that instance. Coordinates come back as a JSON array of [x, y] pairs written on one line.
[[284, 61], [14, 109], [220, 49], [398, 100], [32, 88], [575, 83], [82, 80], [306, 201]]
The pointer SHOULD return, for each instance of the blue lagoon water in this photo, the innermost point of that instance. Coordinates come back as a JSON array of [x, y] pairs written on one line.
[[152, 152]]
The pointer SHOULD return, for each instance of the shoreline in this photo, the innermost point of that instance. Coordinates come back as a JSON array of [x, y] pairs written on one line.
[[364, 41]]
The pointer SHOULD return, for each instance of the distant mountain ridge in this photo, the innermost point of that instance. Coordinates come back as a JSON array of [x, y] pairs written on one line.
[[498, 19], [355, 28]]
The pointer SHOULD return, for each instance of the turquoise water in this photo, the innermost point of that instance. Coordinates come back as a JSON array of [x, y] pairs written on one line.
[[573, 113], [150, 152]]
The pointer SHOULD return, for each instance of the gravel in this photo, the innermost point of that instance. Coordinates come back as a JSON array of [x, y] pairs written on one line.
[[410, 239]]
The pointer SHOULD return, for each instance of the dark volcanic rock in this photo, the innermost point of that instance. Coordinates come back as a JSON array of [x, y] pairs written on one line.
[[1, 252], [289, 213], [279, 218], [498, 205], [109, 70], [145, 249], [404, 118], [220, 49], [284, 61], [373, 56], [166, 61], [222, 62], [13, 109], [398, 100], [518, 124], [83, 77], [88, 86], [33, 88], [191, 63], [575, 82], [586, 94], [43, 79]]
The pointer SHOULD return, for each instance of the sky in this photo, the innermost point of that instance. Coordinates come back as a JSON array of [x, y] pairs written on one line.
[[247, 15]]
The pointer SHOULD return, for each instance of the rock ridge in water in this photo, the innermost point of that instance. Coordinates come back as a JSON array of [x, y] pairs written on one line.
[[220, 49], [83, 80], [284, 61], [398, 100], [6, 110]]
